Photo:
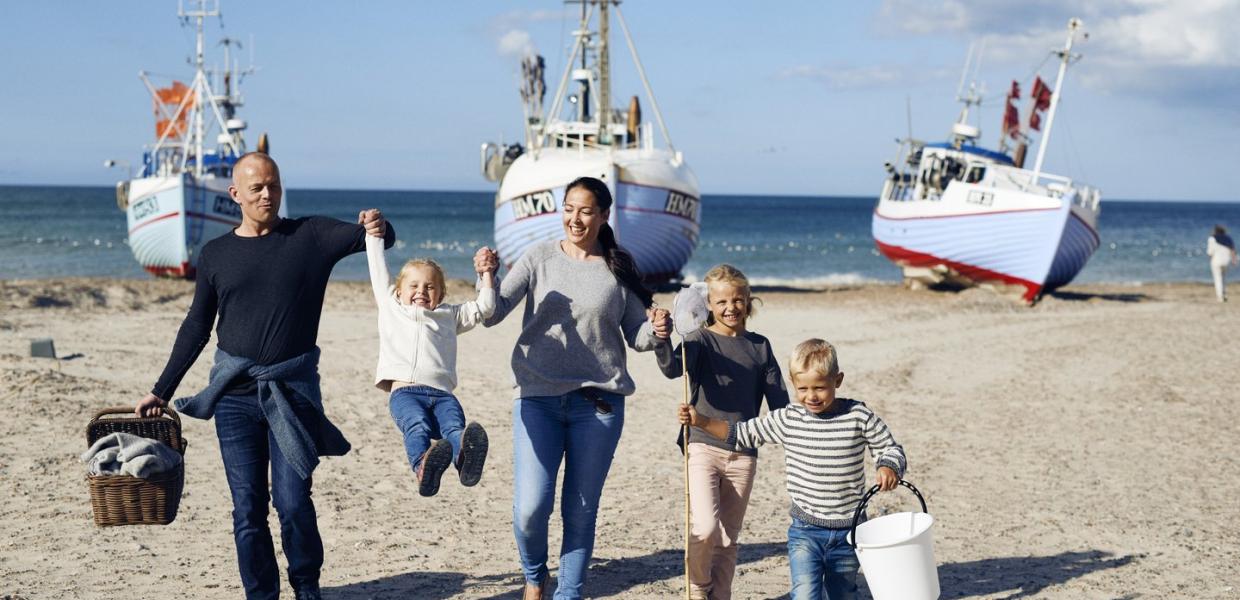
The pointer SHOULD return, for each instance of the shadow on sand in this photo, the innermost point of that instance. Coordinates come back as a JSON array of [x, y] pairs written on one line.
[[1018, 576], [1023, 576], [607, 577], [1015, 576], [1086, 297]]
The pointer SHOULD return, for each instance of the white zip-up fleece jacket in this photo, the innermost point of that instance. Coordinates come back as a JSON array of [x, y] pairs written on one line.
[[416, 344]]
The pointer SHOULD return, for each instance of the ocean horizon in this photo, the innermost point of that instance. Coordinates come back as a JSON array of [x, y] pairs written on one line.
[[777, 240]]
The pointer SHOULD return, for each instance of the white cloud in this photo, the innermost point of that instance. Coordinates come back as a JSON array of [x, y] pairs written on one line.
[[510, 34], [517, 18], [860, 78], [516, 42], [1173, 49]]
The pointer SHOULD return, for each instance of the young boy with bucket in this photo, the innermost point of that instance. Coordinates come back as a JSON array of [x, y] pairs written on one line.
[[824, 439]]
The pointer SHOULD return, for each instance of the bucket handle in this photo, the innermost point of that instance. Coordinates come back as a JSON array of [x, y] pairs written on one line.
[[852, 536]]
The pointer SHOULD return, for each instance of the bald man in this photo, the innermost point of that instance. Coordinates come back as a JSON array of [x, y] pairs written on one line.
[[266, 280]]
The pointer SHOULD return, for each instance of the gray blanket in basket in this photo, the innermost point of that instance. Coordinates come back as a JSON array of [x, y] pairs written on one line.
[[128, 454]]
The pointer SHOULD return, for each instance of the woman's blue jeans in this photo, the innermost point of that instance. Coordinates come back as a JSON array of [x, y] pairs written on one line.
[[424, 413], [581, 432], [824, 566]]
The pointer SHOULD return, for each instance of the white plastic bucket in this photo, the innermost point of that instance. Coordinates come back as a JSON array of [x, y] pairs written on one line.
[[896, 552]]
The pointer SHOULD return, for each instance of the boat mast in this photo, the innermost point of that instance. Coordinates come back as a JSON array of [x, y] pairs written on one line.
[[583, 108], [1065, 57], [974, 95], [199, 15], [962, 131], [604, 76]]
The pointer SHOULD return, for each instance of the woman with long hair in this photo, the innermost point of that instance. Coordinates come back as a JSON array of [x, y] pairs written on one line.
[[584, 303]]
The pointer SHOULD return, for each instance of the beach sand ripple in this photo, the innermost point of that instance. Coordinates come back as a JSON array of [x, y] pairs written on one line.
[[1083, 448]]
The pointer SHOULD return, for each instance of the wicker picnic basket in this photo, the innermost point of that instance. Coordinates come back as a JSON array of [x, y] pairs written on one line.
[[128, 500]]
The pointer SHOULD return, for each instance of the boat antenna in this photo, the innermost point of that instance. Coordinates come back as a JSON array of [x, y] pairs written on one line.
[[1065, 58], [908, 114], [604, 75], [964, 73], [228, 43], [973, 97], [583, 35]]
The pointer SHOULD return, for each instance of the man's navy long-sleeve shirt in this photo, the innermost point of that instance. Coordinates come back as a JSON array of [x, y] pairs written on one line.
[[268, 292]]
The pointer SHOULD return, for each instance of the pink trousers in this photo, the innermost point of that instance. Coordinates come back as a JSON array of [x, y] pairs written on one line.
[[719, 484]]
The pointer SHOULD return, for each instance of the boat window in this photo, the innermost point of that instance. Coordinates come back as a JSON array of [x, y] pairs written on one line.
[[952, 169], [976, 173]]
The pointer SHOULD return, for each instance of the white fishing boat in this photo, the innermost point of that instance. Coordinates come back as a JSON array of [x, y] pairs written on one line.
[[657, 210], [179, 199], [955, 213]]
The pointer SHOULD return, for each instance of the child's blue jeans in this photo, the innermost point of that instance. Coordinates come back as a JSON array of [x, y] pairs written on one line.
[[423, 414], [824, 566]]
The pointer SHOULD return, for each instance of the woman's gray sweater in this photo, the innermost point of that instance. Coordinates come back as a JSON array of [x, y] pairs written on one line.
[[578, 319]]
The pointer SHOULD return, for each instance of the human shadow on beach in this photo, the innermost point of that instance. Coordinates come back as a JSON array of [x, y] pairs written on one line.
[[424, 585], [607, 577], [1023, 576], [1020, 576]]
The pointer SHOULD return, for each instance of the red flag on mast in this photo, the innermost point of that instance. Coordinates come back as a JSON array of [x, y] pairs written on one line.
[[1011, 117], [1041, 96]]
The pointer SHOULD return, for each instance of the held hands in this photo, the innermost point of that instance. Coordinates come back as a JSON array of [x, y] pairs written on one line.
[[373, 221], [660, 321], [149, 406], [486, 261], [688, 415], [887, 479]]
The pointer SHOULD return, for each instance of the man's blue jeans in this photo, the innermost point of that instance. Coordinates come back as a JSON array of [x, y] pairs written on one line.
[[248, 448], [423, 414], [824, 566], [583, 433]]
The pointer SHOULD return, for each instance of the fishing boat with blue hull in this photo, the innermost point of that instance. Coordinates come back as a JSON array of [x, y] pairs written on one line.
[[657, 210], [955, 213], [179, 199]]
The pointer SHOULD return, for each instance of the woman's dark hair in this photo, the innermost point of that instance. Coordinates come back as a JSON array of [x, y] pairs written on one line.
[[1220, 236], [618, 260]]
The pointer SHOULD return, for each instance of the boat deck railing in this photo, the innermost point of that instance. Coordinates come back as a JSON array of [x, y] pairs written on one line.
[[904, 186], [584, 136]]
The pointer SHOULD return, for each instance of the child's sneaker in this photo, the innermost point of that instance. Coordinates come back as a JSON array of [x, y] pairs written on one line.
[[434, 463], [473, 454]]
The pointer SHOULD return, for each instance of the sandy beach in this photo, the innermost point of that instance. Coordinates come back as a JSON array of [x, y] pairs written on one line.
[[1083, 448]]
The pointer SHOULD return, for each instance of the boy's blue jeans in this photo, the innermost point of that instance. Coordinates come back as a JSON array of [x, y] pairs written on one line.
[[583, 434], [824, 566], [423, 414], [247, 447]]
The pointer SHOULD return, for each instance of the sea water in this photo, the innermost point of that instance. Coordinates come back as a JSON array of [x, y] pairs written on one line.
[[797, 241]]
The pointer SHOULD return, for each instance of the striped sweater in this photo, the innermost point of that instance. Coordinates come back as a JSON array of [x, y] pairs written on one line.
[[824, 456]]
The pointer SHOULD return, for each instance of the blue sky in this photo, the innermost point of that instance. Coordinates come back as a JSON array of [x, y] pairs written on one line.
[[794, 97]]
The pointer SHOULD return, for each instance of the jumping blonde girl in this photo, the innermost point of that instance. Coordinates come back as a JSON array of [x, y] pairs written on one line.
[[417, 365]]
